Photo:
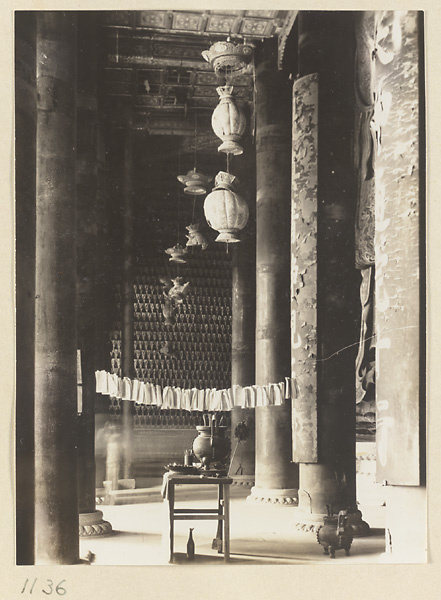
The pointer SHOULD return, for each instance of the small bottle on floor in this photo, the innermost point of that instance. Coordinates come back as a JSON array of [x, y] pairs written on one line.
[[190, 545]]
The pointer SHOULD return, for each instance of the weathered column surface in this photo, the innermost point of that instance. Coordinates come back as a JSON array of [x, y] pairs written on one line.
[[25, 131], [244, 323], [399, 282], [127, 298], [324, 280], [56, 468], [276, 476], [91, 521]]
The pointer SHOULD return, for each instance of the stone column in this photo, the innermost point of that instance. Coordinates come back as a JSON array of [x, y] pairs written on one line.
[[56, 468], [325, 282], [244, 322], [399, 282], [25, 131], [91, 521], [276, 476], [127, 348]]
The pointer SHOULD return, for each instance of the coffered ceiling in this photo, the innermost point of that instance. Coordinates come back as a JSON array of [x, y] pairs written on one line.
[[154, 70], [244, 23]]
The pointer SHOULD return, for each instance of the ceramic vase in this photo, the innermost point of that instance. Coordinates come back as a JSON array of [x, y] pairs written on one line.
[[210, 445]]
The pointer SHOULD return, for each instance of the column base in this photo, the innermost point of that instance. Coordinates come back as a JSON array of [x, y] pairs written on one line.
[[284, 497], [311, 522], [243, 480], [92, 524]]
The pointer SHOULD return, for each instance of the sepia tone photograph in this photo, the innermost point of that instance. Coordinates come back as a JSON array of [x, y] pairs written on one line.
[[220, 271]]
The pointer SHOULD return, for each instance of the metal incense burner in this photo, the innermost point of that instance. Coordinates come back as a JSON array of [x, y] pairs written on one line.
[[335, 534]]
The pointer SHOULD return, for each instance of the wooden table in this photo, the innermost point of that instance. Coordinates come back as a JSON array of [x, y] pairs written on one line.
[[220, 514]]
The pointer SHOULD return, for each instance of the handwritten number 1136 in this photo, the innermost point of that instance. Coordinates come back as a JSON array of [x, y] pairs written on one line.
[[48, 589]]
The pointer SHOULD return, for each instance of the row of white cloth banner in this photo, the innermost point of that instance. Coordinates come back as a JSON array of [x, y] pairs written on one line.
[[170, 397]]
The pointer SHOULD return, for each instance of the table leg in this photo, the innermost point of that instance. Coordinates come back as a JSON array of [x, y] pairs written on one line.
[[220, 511], [171, 507], [226, 522]]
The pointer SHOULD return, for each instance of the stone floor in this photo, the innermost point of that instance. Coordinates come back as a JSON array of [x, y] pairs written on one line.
[[260, 533]]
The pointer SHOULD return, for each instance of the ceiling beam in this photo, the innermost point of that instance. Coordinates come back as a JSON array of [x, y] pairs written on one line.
[[284, 34]]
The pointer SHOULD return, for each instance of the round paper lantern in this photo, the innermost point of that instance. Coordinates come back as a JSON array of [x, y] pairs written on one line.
[[226, 211], [228, 121]]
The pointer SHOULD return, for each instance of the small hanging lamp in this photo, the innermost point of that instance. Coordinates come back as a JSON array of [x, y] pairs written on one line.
[[178, 291], [177, 253], [228, 121], [195, 183], [195, 237], [228, 56], [225, 210]]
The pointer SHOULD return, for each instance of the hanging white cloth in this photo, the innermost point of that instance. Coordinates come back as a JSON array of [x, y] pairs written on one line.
[[113, 385], [126, 389], [210, 399], [101, 379], [158, 394], [135, 390]]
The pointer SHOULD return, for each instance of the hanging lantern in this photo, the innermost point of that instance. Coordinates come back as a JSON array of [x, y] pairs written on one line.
[[226, 211], [195, 183], [228, 121], [177, 253], [195, 237], [228, 57]]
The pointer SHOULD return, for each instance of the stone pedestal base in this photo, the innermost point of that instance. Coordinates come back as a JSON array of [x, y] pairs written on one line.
[[243, 480], [92, 524], [312, 521], [285, 497], [309, 522]]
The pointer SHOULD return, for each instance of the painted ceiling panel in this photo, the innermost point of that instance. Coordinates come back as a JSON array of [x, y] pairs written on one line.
[[220, 24], [255, 27], [186, 22], [153, 18], [160, 51]]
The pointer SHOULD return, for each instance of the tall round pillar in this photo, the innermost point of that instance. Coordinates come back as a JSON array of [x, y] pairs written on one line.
[[276, 476], [244, 324], [91, 521], [25, 139], [325, 282], [56, 468], [400, 310], [127, 298]]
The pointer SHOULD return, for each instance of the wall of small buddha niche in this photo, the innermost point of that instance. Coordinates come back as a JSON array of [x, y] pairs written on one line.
[[199, 343], [196, 350]]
